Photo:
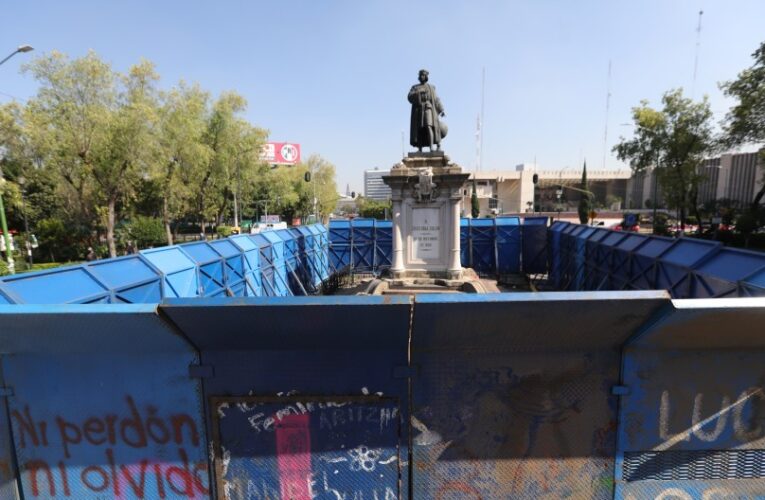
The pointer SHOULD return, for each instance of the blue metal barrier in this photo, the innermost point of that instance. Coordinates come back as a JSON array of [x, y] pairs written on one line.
[[233, 270], [508, 245], [64, 285], [131, 279], [321, 245], [465, 258], [483, 251], [383, 244], [181, 277], [508, 404], [210, 265], [556, 244], [625, 395], [341, 248], [693, 389], [250, 264], [363, 244], [535, 245], [102, 404], [298, 376]]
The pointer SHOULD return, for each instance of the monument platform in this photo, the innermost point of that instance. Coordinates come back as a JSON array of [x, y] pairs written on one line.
[[426, 191]]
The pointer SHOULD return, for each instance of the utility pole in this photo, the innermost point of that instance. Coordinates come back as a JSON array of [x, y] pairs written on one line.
[[483, 86], [696, 57], [608, 107]]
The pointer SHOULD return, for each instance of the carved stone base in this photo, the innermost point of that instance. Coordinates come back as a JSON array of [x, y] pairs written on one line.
[[426, 191]]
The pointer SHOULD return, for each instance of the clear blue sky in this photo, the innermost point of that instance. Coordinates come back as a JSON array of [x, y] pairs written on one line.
[[334, 75]]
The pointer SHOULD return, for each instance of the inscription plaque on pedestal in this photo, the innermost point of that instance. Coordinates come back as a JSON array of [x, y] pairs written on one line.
[[426, 234]]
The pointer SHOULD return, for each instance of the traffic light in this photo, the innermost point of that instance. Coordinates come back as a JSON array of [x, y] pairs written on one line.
[[307, 176], [353, 194], [535, 179]]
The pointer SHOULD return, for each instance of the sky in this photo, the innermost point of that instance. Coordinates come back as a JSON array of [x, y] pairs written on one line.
[[333, 75]]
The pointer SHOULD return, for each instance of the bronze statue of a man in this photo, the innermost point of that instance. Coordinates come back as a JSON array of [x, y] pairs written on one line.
[[425, 128]]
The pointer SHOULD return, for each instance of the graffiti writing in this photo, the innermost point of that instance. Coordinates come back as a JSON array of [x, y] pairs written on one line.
[[744, 414], [165, 470]]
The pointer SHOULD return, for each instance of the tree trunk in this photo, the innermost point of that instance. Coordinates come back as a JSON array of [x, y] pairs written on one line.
[[166, 220], [110, 227]]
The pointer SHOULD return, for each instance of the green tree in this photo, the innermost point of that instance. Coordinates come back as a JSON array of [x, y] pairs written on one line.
[[745, 122], [67, 124], [475, 208], [323, 182], [130, 145], [372, 209], [675, 140], [585, 201], [182, 153]]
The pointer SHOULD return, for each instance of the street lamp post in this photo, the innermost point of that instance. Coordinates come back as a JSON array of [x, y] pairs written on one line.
[[3, 222]]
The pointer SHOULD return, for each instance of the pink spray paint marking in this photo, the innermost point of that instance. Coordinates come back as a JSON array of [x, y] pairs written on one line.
[[293, 455]]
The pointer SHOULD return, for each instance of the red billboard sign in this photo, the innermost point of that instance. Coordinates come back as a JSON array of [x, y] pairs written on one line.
[[281, 153]]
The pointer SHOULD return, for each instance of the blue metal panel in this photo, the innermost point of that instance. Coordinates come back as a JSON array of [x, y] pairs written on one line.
[[579, 252], [556, 250], [267, 274], [234, 266], [292, 260], [624, 267], [718, 275], [103, 405], [281, 286], [568, 255], [181, 273], [674, 266], [340, 243], [251, 264], [131, 279], [63, 285], [5, 297], [508, 241], [363, 244], [596, 267], [383, 244], [643, 271], [609, 258], [262, 352], [535, 245], [322, 249], [482, 246], [509, 402], [465, 258], [753, 285], [210, 263], [313, 261], [692, 409]]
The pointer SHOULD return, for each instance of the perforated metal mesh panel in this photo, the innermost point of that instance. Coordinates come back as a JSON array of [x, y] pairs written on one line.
[[694, 465]]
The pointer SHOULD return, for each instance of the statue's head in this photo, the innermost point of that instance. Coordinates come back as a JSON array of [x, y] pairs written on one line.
[[423, 76]]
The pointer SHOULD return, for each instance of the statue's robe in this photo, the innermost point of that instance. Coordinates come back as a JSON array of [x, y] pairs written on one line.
[[426, 106]]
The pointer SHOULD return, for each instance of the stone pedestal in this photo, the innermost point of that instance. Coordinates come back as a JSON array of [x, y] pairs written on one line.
[[426, 190]]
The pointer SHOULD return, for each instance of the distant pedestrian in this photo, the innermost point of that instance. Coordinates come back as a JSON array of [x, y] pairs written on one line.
[[130, 249], [91, 255]]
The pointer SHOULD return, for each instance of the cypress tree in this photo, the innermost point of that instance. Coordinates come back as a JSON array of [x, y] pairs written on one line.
[[585, 203], [475, 208]]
